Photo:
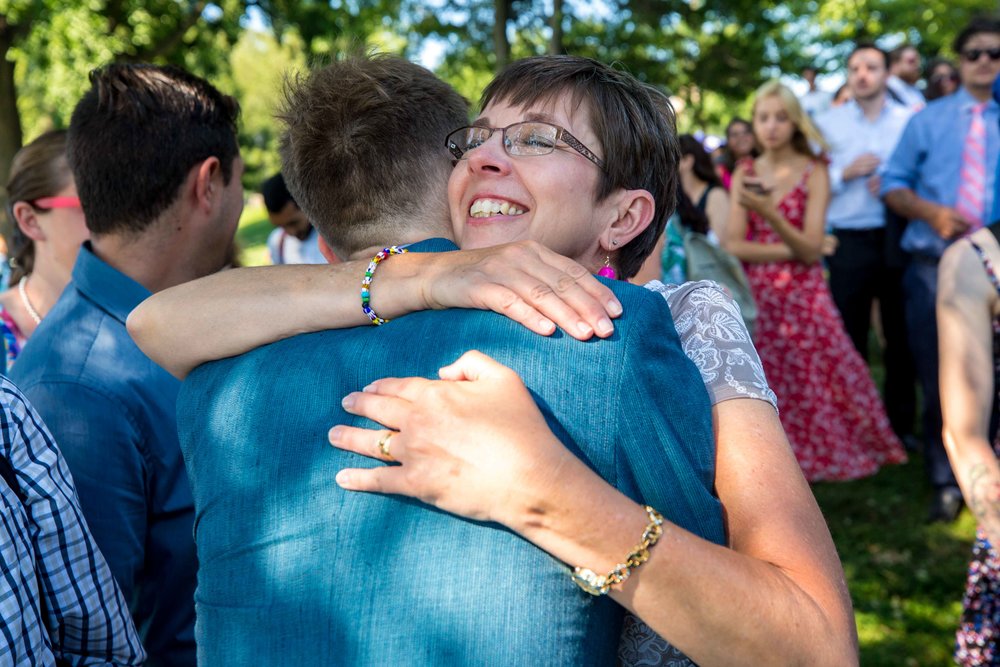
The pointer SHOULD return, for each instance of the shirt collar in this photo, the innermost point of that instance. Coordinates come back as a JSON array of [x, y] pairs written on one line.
[[432, 245], [112, 291], [967, 101]]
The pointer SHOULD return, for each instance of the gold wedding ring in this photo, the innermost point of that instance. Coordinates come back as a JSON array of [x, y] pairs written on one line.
[[383, 445]]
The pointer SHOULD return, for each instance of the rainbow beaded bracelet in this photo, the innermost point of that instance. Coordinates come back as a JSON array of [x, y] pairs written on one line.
[[366, 282]]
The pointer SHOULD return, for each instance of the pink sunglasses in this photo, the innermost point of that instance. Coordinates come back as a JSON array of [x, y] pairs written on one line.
[[57, 202]]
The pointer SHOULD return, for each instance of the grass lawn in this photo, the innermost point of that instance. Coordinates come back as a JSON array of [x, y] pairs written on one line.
[[906, 576]]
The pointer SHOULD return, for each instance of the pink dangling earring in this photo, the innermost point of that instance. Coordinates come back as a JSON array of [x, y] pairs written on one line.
[[607, 271]]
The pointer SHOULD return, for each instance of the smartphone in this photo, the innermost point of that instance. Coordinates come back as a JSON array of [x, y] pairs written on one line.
[[756, 187]]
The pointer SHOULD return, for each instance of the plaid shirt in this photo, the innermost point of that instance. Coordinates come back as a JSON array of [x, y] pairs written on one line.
[[58, 600]]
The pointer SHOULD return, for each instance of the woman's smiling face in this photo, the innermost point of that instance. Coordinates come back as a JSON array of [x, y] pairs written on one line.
[[498, 198]]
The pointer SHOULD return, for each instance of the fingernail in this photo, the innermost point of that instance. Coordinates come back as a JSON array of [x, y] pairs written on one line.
[[343, 479], [546, 325], [604, 326], [614, 308], [334, 435], [584, 328], [370, 388], [348, 401]]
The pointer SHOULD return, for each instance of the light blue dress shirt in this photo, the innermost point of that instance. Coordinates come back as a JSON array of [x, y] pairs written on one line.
[[850, 135], [928, 160], [112, 411]]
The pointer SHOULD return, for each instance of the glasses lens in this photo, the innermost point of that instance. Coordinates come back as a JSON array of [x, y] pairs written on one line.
[[531, 138], [463, 140], [972, 55]]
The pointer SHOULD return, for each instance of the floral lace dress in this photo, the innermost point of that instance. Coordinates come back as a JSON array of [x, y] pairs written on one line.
[[830, 408], [979, 632], [714, 337]]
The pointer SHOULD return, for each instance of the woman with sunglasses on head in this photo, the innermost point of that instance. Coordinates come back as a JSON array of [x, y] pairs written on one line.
[[49, 228], [942, 79], [829, 405]]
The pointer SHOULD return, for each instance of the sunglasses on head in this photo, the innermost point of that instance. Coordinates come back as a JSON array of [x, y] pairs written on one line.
[[56, 202], [972, 55]]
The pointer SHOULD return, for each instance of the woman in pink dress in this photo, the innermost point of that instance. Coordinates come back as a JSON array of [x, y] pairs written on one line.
[[829, 405]]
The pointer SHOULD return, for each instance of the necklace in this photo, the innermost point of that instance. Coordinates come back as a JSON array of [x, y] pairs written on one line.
[[27, 304]]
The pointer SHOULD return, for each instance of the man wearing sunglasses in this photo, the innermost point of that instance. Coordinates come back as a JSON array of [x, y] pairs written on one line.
[[941, 177]]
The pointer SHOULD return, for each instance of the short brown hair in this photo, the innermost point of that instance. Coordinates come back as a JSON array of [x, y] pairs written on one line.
[[634, 123], [38, 170], [134, 136], [363, 152]]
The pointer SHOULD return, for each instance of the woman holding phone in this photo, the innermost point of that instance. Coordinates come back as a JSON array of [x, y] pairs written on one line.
[[829, 405]]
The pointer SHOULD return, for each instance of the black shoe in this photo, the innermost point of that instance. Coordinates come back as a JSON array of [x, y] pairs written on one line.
[[946, 503]]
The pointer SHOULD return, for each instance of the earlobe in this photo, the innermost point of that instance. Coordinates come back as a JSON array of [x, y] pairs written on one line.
[[27, 221]]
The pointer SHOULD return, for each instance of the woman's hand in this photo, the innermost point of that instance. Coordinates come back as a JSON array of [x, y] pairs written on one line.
[[473, 443], [756, 196], [526, 282]]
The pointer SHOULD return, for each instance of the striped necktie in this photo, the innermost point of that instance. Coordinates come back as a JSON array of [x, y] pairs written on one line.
[[972, 178]]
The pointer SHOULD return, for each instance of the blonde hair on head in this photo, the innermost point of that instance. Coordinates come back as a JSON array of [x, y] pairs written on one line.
[[807, 137]]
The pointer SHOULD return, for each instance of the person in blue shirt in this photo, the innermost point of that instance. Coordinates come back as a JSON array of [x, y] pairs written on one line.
[[922, 183], [862, 134], [162, 200]]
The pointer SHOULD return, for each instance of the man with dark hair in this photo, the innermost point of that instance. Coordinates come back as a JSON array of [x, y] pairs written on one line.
[[157, 167], [295, 241], [294, 570], [940, 177], [862, 134], [814, 101], [904, 73]]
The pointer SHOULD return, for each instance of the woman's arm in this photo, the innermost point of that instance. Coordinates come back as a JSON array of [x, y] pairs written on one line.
[[717, 211], [735, 241], [966, 303], [777, 597], [234, 311]]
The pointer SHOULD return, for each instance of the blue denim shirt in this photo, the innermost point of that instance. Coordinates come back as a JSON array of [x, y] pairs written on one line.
[[928, 160], [112, 411], [297, 571]]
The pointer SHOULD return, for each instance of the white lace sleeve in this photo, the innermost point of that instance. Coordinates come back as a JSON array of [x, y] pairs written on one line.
[[715, 338]]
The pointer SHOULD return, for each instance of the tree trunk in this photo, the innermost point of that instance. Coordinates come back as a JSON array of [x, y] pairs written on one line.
[[556, 41], [501, 13], [10, 124]]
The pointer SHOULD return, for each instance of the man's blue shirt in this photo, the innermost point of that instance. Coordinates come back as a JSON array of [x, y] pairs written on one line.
[[112, 411], [928, 160], [295, 570]]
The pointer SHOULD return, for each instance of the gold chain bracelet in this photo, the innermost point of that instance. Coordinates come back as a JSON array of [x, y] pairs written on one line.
[[600, 584]]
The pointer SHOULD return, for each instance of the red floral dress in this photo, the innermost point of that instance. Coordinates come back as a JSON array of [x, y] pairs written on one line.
[[828, 402]]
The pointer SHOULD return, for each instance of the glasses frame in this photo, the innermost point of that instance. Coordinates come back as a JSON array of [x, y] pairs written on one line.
[[49, 203], [562, 134], [973, 55]]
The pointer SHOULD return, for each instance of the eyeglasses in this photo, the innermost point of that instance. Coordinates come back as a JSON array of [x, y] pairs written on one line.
[[972, 55], [56, 202], [520, 139]]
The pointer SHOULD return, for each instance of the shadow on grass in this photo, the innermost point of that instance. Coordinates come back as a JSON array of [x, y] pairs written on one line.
[[906, 576]]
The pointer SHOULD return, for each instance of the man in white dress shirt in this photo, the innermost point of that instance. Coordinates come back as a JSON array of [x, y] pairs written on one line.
[[863, 134]]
